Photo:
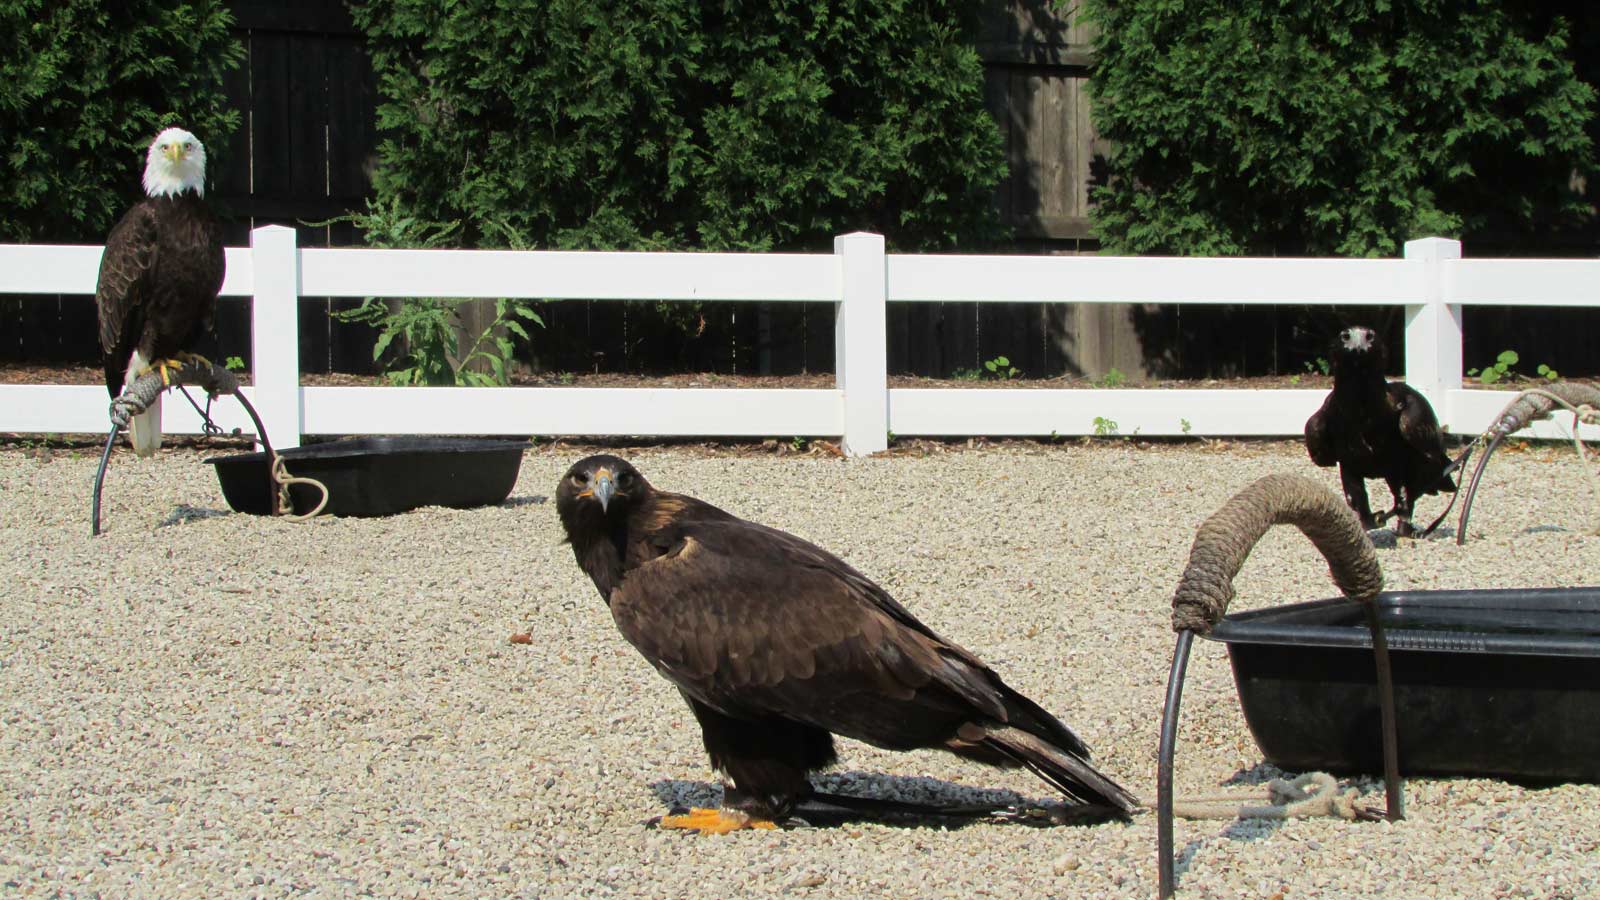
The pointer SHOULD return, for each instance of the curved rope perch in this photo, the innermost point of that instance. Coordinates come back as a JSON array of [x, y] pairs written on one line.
[[1220, 548], [1227, 537], [1582, 400], [214, 380]]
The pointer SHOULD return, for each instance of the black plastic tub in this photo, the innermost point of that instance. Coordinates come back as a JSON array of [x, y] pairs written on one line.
[[379, 476], [1502, 683]]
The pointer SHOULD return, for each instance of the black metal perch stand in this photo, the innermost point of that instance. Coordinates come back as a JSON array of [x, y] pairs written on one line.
[[1580, 399], [1219, 550], [138, 396]]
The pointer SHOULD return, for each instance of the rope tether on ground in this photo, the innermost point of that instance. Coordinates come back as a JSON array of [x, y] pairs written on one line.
[[1312, 794]]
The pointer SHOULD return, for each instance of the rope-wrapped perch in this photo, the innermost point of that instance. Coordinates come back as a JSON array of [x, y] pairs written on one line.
[[1582, 400], [1227, 537], [214, 380], [1220, 548]]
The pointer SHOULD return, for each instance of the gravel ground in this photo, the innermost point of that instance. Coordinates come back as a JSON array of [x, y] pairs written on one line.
[[206, 704]]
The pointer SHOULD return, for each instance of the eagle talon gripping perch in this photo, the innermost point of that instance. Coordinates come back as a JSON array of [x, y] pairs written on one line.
[[1219, 550], [214, 380]]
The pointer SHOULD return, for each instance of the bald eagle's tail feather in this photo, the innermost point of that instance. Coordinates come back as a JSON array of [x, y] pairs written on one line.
[[1067, 772], [144, 430]]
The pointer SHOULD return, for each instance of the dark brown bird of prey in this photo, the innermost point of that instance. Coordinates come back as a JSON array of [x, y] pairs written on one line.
[[159, 276], [1372, 428], [777, 645]]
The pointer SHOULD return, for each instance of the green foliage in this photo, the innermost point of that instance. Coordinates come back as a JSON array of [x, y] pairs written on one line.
[[84, 87], [1104, 427], [1320, 365], [1185, 426], [1000, 367], [429, 328], [1113, 378], [1501, 369], [1504, 369], [1334, 128], [234, 364], [670, 124]]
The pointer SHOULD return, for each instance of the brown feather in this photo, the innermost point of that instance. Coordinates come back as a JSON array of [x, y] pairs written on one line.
[[763, 631]]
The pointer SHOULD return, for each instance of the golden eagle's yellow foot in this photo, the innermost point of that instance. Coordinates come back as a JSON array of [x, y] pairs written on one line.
[[714, 821]]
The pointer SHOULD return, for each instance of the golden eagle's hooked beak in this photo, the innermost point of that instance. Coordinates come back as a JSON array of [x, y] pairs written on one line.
[[604, 488]]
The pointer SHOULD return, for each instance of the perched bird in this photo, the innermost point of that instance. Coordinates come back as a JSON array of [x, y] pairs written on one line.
[[159, 277], [1372, 428], [777, 645]]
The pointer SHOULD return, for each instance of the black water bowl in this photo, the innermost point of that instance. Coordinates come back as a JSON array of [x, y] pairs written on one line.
[[1502, 683], [379, 476]]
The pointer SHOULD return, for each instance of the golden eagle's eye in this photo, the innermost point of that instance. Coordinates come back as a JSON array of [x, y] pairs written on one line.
[[580, 478]]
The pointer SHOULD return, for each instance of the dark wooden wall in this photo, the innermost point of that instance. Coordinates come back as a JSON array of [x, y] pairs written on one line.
[[307, 98]]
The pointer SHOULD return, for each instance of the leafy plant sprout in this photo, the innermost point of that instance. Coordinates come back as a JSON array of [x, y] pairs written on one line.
[[428, 328], [1504, 369], [1000, 367]]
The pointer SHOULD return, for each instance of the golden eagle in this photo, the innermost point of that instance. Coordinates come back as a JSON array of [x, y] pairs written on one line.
[[777, 645], [159, 276], [1371, 428]]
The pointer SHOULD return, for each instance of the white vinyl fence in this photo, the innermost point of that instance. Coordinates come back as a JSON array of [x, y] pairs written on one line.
[[1432, 282]]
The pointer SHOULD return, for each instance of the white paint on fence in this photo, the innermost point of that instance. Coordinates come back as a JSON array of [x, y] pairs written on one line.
[[1431, 283]]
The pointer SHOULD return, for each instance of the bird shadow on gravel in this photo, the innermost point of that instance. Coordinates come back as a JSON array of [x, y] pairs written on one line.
[[961, 805]]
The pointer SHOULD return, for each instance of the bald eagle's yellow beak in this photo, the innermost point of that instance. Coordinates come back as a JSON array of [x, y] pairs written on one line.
[[174, 152]]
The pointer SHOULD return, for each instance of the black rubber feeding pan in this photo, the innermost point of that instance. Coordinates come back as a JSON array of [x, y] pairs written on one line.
[[379, 476], [1502, 683]]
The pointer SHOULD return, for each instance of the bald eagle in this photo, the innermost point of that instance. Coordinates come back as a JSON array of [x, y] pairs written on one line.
[[159, 276], [1371, 428], [777, 645]]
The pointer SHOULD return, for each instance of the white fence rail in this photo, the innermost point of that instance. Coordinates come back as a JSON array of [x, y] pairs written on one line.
[[1431, 282]]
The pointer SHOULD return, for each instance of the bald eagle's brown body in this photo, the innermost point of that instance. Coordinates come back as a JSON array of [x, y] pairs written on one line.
[[777, 645], [159, 278]]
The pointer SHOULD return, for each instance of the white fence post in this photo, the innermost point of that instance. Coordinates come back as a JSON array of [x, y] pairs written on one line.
[[861, 342], [275, 333], [1433, 329]]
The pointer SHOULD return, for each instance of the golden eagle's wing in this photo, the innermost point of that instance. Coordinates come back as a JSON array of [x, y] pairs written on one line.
[[756, 623]]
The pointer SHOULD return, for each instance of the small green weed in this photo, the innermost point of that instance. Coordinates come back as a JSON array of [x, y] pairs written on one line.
[[1104, 427], [1000, 367], [234, 364], [1113, 378], [1504, 368]]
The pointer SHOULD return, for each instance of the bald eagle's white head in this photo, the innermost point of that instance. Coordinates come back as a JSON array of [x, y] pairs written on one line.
[[176, 163]]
